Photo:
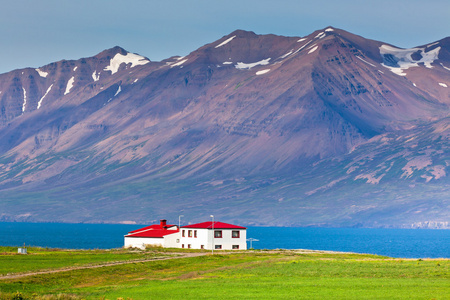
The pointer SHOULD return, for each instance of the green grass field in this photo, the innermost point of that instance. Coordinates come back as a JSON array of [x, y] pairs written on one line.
[[243, 275]]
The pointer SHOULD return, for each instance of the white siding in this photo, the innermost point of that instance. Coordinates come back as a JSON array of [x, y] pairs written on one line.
[[172, 240], [140, 242], [204, 237]]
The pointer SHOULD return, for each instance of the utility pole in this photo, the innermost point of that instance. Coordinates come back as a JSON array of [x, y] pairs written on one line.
[[212, 248], [251, 242], [179, 221]]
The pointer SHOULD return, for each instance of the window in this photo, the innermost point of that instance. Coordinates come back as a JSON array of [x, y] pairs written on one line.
[[235, 234], [218, 234], [217, 246], [189, 246], [235, 247], [178, 240], [182, 245], [195, 233], [182, 233], [189, 233], [202, 246]]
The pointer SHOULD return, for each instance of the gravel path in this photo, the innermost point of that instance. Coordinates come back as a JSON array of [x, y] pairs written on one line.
[[178, 255]]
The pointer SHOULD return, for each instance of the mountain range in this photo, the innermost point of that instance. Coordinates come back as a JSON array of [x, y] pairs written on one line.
[[330, 129]]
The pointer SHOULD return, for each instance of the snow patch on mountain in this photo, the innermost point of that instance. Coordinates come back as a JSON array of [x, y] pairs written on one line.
[[397, 60], [320, 35], [329, 29], [301, 40], [40, 101], [448, 69], [227, 63], [313, 49], [431, 45], [287, 54], [42, 73], [241, 65], [118, 91], [366, 61], [24, 100], [69, 85], [442, 84], [179, 63], [74, 69], [130, 58], [262, 72], [96, 76], [225, 42], [300, 49]]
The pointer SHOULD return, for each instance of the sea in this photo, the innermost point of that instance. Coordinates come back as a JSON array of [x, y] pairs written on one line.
[[398, 243]]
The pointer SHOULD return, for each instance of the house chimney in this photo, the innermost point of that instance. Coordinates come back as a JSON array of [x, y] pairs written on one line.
[[162, 223]]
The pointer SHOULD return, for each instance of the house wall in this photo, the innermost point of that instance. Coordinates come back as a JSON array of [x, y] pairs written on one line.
[[204, 237], [172, 240], [140, 242]]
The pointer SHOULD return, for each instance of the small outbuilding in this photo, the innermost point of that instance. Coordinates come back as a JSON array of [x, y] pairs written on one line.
[[158, 235]]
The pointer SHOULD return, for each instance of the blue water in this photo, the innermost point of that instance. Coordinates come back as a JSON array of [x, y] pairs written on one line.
[[407, 243]]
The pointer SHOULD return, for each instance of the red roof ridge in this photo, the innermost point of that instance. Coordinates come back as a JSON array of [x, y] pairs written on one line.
[[152, 227], [217, 225], [156, 233]]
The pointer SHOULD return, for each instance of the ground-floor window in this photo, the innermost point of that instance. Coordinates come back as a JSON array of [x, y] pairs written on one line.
[[182, 245], [218, 246], [235, 246], [189, 246], [202, 246]]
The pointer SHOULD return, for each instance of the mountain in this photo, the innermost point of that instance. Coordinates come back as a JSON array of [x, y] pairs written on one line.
[[330, 129]]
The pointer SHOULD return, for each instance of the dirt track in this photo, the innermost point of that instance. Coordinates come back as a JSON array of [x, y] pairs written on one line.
[[179, 255]]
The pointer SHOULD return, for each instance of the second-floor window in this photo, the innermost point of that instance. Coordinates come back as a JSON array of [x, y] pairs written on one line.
[[235, 234], [218, 234]]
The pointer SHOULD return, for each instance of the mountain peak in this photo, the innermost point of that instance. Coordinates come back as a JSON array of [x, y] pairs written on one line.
[[242, 33], [112, 51]]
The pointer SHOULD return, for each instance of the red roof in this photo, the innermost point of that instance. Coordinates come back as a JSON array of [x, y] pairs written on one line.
[[151, 227], [217, 225], [155, 233]]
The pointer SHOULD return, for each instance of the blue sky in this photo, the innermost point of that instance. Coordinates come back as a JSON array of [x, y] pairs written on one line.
[[37, 32]]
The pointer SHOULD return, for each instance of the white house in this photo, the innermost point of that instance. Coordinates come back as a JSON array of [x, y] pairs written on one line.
[[206, 235], [217, 235], [161, 235]]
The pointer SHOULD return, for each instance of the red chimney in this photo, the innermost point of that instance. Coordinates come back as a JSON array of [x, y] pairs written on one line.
[[163, 223]]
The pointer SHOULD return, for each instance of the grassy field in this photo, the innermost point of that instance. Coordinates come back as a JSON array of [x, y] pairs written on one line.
[[243, 275]]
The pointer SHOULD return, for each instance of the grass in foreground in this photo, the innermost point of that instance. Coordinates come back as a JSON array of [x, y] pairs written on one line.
[[245, 275], [39, 259]]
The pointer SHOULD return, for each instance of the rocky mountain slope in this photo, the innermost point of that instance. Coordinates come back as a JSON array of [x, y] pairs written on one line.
[[330, 129]]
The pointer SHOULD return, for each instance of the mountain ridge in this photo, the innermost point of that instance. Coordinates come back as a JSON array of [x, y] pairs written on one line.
[[245, 115]]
